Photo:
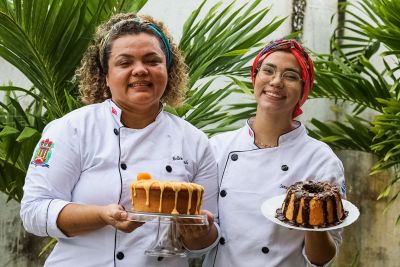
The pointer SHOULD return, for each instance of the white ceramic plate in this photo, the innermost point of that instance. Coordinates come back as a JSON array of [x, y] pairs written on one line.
[[269, 206]]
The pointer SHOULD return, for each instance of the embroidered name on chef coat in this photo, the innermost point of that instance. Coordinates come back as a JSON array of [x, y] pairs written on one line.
[[186, 162]]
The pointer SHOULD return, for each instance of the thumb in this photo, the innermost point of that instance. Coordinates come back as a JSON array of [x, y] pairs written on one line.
[[120, 213], [210, 216], [123, 215]]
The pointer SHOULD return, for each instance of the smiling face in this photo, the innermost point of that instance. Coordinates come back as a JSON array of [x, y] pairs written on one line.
[[273, 94], [137, 75]]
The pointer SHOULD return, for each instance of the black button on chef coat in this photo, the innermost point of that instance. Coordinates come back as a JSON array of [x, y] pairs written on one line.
[[265, 250], [168, 168], [234, 157], [222, 193], [284, 168], [120, 255]]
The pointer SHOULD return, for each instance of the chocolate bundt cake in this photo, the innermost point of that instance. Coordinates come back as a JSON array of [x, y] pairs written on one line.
[[312, 204]]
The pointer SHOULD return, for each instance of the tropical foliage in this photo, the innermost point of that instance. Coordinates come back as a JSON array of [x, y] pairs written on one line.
[[350, 74], [46, 39]]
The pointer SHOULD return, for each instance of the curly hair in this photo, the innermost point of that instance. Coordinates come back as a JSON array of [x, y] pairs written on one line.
[[94, 65]]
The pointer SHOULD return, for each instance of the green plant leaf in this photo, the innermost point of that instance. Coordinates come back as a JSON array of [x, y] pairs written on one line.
[[27, 133], [7, 131]]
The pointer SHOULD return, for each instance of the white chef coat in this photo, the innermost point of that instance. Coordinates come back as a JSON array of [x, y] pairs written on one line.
[[93, 160], [247, 177]]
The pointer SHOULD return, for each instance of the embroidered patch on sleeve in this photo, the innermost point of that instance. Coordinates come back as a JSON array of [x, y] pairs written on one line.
[[42, 153]]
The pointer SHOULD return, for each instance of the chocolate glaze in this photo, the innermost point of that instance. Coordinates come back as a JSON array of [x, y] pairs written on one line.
[[308, 190], [306, 210]]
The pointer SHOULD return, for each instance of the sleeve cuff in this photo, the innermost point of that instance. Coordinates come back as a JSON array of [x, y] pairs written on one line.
[[200, 252], [53, 210]]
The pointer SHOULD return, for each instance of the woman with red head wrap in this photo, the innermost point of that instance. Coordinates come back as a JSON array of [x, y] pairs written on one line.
[[259, 161]]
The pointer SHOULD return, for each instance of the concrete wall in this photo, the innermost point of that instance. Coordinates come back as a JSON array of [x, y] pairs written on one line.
[[371, 241], [17, 247]]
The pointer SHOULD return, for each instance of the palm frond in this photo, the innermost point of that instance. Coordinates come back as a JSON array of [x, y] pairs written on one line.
[[220, 42], [355, 134]]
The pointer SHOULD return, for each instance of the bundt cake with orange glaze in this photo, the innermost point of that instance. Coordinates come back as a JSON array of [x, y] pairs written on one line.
[[168, 197], [312, 204]]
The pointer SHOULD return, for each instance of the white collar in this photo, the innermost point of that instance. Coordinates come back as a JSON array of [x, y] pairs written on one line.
[[116, 113], [283, 139]]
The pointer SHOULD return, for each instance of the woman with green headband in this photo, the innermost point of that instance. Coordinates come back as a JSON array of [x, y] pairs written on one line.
[[77, 186]]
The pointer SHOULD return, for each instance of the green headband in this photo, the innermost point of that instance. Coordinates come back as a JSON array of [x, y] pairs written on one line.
[[162, 37]]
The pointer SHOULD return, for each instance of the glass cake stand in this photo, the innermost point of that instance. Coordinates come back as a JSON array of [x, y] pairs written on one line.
[[167, 244]]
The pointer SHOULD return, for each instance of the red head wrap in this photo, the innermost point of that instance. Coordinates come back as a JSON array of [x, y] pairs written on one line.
[[306, 65]]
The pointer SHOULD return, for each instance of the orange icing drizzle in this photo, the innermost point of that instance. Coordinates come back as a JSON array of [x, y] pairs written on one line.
[[199, 200], [190, 191], [162, 186], [176, 188], [144, 179]]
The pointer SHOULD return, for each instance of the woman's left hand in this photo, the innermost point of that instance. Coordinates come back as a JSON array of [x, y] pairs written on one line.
[[198, 236], [196, 231], [116, 216]]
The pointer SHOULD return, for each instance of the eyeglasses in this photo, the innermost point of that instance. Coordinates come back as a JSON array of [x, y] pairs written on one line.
[[267, 71]]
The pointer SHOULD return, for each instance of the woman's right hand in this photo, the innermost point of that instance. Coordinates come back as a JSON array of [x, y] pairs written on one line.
[[116, 216]]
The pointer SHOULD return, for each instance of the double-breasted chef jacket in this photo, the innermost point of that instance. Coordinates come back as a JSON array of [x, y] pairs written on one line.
[[247, 177], [89, 157]]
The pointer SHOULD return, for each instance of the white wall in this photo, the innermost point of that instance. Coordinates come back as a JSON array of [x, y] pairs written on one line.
[[317, 32], [10, 74]]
